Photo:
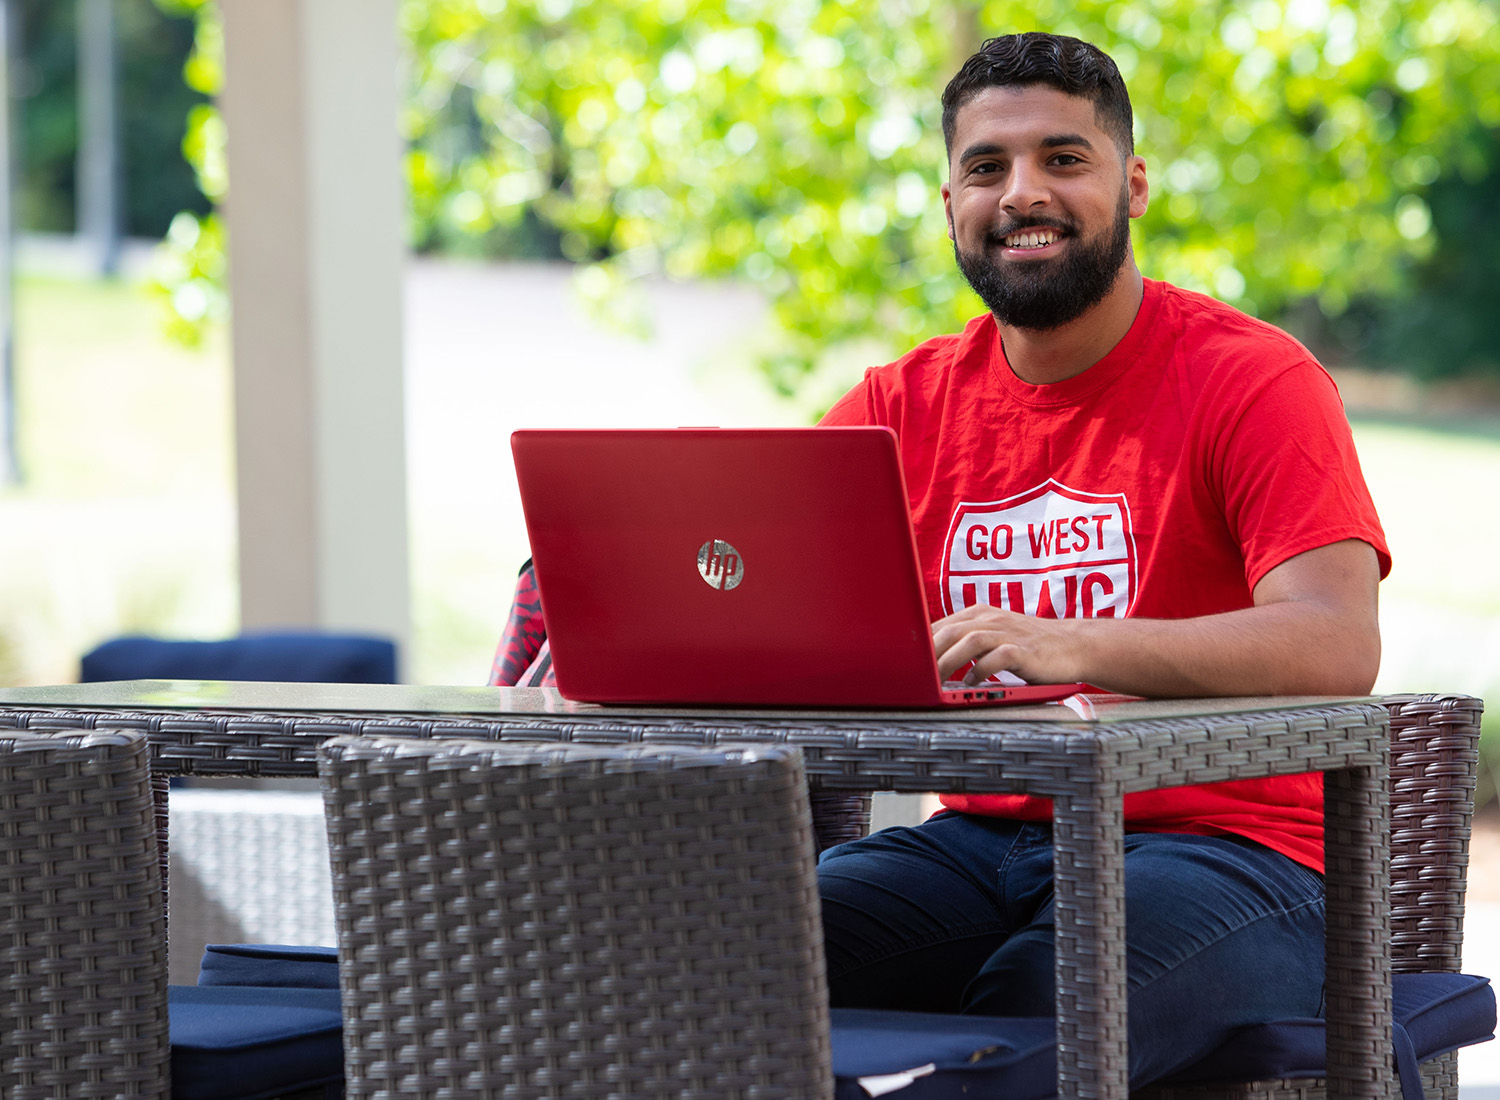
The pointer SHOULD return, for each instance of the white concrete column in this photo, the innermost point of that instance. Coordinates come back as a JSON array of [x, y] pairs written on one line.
[[315, 214]]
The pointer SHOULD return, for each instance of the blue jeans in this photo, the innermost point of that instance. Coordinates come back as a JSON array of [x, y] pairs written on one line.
[[956, 915]]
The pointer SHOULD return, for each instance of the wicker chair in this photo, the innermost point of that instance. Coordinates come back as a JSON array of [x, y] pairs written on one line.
[[84, 1012], [1434, 765], [575, 921]]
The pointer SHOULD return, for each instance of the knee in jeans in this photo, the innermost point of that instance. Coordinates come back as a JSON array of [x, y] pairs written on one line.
[[1017, 980]]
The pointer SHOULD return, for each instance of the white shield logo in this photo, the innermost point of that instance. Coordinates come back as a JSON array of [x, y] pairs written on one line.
[[1051, 551]]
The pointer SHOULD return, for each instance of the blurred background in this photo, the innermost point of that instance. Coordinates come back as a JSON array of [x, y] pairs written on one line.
[[662, 212]]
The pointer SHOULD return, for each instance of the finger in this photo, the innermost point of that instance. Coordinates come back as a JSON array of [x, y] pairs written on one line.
[[969, 646], [946, 637], [1007, 657], [953, 650], [979, 619], [968, 616]]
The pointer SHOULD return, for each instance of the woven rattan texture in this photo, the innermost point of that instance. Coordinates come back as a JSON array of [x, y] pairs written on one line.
[[886, 752], [576, 921], [838, 816], [1356, 841], [248, 866], [1434, 761], [84, 1011], [1084, 768]]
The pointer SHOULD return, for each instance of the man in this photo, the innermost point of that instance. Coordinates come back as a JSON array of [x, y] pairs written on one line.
[[1116, 481]]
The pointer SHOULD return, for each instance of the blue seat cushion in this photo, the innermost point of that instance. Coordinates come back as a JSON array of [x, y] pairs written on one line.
[[928, 1056], [1433, 1014], [960, 1057], [269, 964], [287, 656], [1442, 1012], [253, 1042], [968, 1056]]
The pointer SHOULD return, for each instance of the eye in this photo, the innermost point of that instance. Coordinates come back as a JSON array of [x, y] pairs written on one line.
[[1066, 160]]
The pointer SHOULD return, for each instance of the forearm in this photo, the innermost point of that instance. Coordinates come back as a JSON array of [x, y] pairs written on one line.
[[1313, 630], [1279, 649]]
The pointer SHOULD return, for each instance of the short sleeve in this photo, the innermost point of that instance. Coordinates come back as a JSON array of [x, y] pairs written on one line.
[[1288, 474]]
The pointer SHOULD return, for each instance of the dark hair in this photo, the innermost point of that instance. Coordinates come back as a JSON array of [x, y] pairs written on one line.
[[1067, 64]]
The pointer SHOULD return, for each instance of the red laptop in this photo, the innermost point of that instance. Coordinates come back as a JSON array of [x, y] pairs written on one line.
[[759, 567]]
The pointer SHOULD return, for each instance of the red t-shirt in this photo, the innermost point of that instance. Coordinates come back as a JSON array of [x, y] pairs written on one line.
[[1163, 482]]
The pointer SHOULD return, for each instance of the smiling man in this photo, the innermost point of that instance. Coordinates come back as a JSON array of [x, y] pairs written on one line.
[[1118, 481]]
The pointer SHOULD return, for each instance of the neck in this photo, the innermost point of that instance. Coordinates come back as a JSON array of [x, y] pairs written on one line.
[[1043, 356]]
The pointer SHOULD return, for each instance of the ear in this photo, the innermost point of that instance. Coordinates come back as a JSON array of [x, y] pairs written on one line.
[[948, 209], [1140, 190]]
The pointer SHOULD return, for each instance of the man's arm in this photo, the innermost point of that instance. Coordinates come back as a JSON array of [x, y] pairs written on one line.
[[1313, 631]]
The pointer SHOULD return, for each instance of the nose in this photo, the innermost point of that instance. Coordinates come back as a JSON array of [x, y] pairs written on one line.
[[1025, 188]]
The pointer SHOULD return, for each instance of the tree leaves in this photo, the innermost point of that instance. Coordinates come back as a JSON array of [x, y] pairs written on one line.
[[796, 143]]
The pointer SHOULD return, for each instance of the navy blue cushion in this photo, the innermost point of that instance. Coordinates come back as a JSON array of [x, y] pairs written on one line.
[[309, 657], [969, 1056], [269, 964], [959, 1057], [1442, 1012], [1434, 1013], [249, 1043]]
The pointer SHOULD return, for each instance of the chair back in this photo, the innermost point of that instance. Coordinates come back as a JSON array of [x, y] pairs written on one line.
[[82, 926], [584, 921]]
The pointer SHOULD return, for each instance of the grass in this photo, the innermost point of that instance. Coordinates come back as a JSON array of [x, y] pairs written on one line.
[[125, 520], [106, 406], [1440, 607]]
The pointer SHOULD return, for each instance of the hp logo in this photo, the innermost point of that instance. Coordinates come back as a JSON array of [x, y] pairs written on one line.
[[720, 565]]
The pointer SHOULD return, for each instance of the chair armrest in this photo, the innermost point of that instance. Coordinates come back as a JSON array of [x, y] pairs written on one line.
[[1434, 764]]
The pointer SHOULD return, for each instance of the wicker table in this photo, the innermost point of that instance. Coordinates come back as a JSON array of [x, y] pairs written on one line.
[[1084, 759]]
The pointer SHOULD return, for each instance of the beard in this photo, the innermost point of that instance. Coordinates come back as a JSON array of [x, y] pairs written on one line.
[[1046, 294]]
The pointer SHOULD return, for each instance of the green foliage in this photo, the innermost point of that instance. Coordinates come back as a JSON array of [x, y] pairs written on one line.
[[1448, 325], [157, 180], [154, 105], [790, 143], [796, 143], [46, 115], [190, 281], [190, 277]]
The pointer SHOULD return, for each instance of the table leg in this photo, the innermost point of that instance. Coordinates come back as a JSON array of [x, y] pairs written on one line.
[[1357, 849], [1089, 871], [160, 795]]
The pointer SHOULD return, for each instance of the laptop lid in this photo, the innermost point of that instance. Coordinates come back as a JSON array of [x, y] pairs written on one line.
[[766, 566]]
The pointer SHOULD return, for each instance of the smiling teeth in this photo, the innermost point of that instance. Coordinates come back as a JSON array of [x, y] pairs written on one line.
[[1033, 239]]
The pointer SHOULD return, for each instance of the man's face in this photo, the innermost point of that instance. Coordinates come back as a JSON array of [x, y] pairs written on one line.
[[1039, 202]]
